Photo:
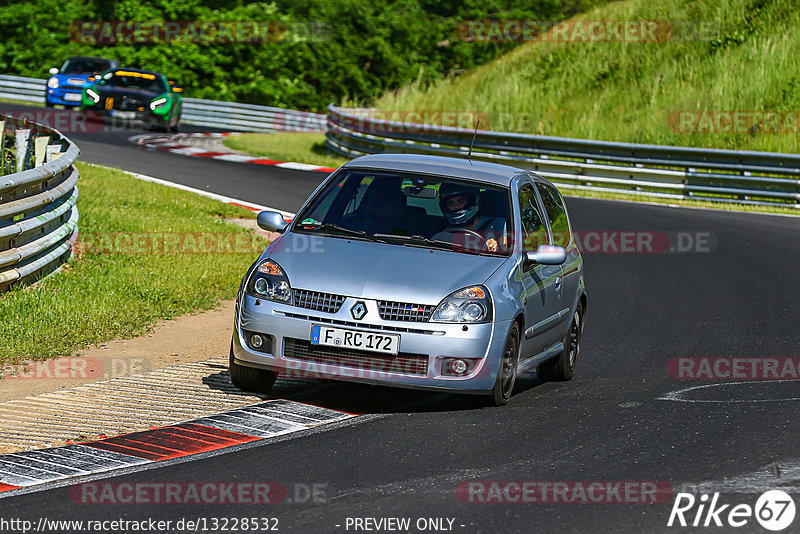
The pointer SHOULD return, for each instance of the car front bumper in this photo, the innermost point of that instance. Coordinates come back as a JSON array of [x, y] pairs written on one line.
[[146, 117], [58, 97], [427, 344]]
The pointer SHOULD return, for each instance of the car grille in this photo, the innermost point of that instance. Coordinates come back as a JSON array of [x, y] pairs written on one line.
[[72, 87], [381, 327], [403, 311], [313, 300], [403, 362], [128, 104]]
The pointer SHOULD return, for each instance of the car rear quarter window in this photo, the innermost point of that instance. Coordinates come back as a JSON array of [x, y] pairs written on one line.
[[534, 232], [556, 214]]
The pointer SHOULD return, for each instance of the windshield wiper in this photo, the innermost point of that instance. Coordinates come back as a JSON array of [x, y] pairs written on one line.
[[335, 228], [419, 240]]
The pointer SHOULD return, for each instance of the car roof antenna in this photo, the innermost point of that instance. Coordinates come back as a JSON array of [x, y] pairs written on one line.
[[469, 154]]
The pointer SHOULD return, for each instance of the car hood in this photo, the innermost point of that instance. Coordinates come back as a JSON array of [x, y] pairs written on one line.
[[73, 79], [356, 268]]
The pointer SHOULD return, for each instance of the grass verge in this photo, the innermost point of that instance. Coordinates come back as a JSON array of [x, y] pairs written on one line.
[[118, 287], [22, 102], [302, 147]]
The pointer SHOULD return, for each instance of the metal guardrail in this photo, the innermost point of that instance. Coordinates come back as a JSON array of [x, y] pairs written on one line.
[[235, 117], [38, 194], [229, 116], [651, 170]]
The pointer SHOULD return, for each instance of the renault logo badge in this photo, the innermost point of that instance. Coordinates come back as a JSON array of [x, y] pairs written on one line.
[[359, 310]]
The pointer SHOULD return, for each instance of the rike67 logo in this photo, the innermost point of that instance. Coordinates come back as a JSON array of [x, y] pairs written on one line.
[[774, 510]]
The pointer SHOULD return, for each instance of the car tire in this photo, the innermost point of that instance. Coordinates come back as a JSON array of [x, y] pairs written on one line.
[[507, 372], [48, 104], [563, 366], [251, 378]]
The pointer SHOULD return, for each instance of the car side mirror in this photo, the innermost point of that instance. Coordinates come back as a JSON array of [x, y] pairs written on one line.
[[547, 255], [53, 71], [271, 221]]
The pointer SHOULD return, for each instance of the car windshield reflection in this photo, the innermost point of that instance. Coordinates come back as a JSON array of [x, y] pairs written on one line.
[[410, 210]]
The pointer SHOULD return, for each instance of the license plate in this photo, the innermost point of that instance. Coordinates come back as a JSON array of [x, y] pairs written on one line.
[[354, 339], [123, 114], [74, 97]]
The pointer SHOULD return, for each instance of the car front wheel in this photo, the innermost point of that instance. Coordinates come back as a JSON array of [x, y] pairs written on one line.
[[251, 378], [507, 373]]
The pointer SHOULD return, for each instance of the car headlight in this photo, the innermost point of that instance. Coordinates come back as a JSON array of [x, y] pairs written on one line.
[[268, 281], [52, 83], [93, 95], [158, 103], [469, 305]]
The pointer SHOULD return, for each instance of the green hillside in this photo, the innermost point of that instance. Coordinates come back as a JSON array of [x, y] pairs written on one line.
[[679, 89]]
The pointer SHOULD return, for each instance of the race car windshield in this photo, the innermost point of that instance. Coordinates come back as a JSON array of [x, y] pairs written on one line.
[[84, 66], [411, 210], [134, 80]]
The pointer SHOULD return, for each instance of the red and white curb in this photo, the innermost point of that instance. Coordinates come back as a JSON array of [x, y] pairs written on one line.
[[179, 144], [210, 433]]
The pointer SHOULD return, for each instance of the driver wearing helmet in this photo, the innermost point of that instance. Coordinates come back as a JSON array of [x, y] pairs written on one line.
[[461, 205]]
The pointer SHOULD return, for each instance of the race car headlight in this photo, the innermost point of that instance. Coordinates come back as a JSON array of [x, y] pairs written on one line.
[[93, 95], [469, 305], [52, 83], [158, 103], [268, 281]]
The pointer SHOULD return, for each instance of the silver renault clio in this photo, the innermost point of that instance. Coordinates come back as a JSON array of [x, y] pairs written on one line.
[[415, 271]]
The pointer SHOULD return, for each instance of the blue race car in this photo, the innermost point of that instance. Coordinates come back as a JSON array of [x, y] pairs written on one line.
[[65, 85]]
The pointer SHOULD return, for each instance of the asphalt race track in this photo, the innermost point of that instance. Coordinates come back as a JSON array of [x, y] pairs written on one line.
[[408, 452]]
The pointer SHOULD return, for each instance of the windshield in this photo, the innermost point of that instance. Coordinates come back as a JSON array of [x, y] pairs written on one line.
[[85, 66], [412, 210], [137, 80]]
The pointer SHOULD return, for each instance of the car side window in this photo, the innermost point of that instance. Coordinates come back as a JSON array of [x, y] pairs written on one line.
[[556, 214], [534, 232]]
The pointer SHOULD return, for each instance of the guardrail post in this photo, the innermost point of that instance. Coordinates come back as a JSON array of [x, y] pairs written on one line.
[[7, 154], [22, 149], [40, 149]]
